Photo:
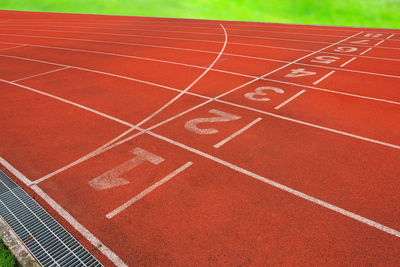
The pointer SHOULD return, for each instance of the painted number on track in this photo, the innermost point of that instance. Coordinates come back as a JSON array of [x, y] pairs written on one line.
[[362, 42], [373, 35], [325, 59], [222, 116], [261, 91], [346, 49], [112, 178], [299, 73]]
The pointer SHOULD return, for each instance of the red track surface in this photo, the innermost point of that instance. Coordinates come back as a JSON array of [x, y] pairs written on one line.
[[309, 174]]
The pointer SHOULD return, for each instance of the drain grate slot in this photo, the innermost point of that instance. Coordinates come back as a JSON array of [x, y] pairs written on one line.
[[45, 238]]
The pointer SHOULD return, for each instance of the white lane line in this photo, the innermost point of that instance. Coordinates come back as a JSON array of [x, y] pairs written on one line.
[[148, 190], [70, 102], [7, 48], [365, 51], [185, 39], [237, 133], [40, 74], [218, 70], [180, 24], [68, 217], [192, 84], [152, 30], [200, 67], [287, 189], [290, 99], [323, 78], [348, 61], [314, 125]]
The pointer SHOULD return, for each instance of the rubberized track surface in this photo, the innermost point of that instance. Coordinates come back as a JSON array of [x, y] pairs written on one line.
[[190, 142]]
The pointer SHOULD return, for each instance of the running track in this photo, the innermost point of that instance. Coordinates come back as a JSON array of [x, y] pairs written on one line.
[[191, 142]]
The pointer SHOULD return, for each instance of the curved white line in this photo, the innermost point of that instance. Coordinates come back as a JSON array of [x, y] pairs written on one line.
[[190, 85]]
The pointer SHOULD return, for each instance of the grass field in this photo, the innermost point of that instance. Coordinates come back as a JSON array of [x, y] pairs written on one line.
[[367, 13], [7, 259]]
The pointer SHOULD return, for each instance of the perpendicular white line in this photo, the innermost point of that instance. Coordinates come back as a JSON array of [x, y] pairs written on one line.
[[68, 217], [148, 190], [70, 102], [379, 42], [218, 145], [365, 51], [348, 61], [40, 74], [287, 189], [390, 36], [323, 77], [290, 99]]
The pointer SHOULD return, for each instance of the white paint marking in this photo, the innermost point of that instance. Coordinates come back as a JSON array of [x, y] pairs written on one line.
[[68, 217], [70, 102], [290, 99], [259, 91], [221, 117], [292, 191], [237, 133], [347, 62], [148, 190], [323, 78], [40, 74], [111, 178], [379, 43], [391, 37], [365, 51]]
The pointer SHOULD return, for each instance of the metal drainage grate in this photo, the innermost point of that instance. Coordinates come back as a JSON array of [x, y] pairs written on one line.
[[45, 238]]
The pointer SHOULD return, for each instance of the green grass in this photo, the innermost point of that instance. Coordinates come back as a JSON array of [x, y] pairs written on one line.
[[7, 259], [366, 13]]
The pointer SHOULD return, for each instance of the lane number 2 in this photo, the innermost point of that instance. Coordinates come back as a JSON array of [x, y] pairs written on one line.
[[222, 116]]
